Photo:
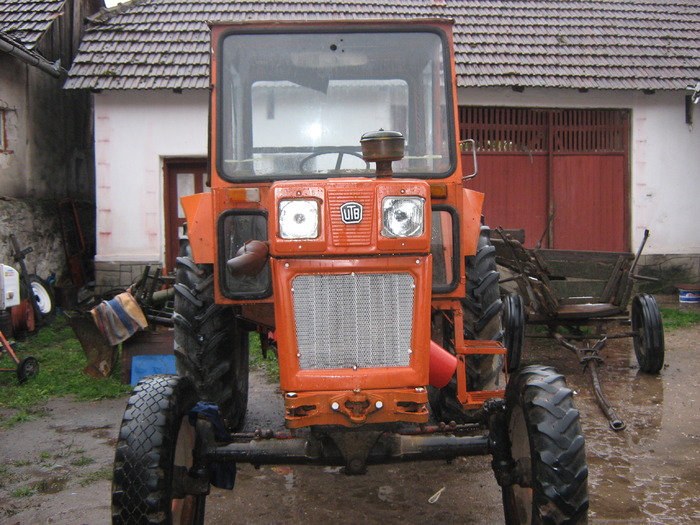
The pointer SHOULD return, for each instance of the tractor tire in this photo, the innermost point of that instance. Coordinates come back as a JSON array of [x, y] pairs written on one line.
[[211, 346], [548, 448], [514, 330], [482, 321], [154, 451], [648, 339]]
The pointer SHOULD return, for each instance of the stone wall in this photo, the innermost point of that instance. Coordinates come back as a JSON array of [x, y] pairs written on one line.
[[671, 270], [119, 275], [37, 225]]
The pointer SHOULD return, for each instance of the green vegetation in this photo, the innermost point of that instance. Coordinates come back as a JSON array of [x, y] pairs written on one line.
[[22, 492], [673, 318], [61, 360], [97, 475], [268, 365]]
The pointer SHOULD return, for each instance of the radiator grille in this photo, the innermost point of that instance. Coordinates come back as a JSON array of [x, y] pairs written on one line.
[[362, 320]]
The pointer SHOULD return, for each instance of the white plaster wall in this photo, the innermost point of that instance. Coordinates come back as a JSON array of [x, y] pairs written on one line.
[[665, 157], [134, 132]]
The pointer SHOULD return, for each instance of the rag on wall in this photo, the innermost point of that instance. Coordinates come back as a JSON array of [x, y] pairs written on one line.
[[119, 318]]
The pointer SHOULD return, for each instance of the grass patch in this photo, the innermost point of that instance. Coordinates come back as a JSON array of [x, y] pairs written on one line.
[[61, 359], [673, 318], [22, 492], [82, 461], [268, 365], [103, 473]]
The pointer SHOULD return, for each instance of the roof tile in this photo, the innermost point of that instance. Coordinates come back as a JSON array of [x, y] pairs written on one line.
[[604, 44]]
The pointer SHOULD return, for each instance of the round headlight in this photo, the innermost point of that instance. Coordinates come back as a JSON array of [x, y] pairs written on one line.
[[298, 219], [402, 216]]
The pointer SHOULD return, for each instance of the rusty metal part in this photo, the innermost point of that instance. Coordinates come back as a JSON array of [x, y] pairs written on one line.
[[315, 449], [101, 356], [589, 357], [350, 409]]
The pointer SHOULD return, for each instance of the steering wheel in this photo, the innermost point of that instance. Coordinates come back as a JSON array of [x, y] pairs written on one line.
[[303, 166]]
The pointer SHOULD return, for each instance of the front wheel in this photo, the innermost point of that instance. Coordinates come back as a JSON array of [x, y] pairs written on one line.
[[154, 456], [648, 331], [514, 330], [547, 446]]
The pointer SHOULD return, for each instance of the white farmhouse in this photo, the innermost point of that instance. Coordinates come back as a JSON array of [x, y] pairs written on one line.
[[585, 128]]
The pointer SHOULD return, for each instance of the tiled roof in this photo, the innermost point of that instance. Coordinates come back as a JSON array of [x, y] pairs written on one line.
[[25, 21], [604, 44]]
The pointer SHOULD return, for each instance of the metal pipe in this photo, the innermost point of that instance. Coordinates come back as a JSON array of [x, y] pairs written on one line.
[[33, 59], [390, 448]]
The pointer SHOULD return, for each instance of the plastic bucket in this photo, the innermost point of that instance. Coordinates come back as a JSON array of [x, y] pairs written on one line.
[[689, 294]]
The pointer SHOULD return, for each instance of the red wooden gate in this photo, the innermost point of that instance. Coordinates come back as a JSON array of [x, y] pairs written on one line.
[[560, 174]]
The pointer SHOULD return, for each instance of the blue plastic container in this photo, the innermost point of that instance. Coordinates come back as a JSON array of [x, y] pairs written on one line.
[[147, 365]]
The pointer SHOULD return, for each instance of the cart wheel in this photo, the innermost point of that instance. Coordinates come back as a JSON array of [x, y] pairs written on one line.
[[154, 454], [28, 367], [648, 331], [548, 448], [514, 327], [43, 296]]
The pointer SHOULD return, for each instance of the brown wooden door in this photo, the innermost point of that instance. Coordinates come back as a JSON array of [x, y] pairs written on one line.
[[182, 177], [561, 175]]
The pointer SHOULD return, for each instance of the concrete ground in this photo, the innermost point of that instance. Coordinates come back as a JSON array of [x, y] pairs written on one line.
[[56, 469]]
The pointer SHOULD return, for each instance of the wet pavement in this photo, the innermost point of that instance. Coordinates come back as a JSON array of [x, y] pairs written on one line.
[[647, 473]]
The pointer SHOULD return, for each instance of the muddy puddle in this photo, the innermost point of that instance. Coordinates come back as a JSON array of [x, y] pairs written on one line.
[[649, 472], [56, 469]]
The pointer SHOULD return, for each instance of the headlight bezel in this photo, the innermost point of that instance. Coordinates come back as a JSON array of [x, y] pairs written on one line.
[[411, 207], [290, 210]]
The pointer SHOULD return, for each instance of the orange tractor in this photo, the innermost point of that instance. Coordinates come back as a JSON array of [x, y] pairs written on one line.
[[338, 227]]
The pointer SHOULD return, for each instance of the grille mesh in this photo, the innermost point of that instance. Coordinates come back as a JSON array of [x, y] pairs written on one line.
[[362, 320]]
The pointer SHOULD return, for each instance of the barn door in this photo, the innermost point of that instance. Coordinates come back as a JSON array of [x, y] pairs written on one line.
[[182, 177], [561, 175]]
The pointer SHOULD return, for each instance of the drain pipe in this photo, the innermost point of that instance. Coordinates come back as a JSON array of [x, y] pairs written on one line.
[[33, 59]]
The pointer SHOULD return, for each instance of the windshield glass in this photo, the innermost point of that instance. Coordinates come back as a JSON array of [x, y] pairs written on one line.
[[295, 105]]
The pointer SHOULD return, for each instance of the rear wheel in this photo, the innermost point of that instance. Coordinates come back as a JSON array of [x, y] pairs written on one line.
[[547, 445], [211, 346], [154, 456], [482, 321], [648, 340]]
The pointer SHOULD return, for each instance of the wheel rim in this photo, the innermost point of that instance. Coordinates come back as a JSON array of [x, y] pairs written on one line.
[[42, 297], [521, 497], [29, 367], [184, 510]]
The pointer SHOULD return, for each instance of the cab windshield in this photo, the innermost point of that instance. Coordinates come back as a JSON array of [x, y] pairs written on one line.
[[295, 104]]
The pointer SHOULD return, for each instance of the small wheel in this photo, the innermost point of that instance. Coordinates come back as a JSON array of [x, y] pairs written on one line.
[[28, 367], [514, 328], [154, 454], [338, 163], [43, 296], [648, 331], [548, 449]]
